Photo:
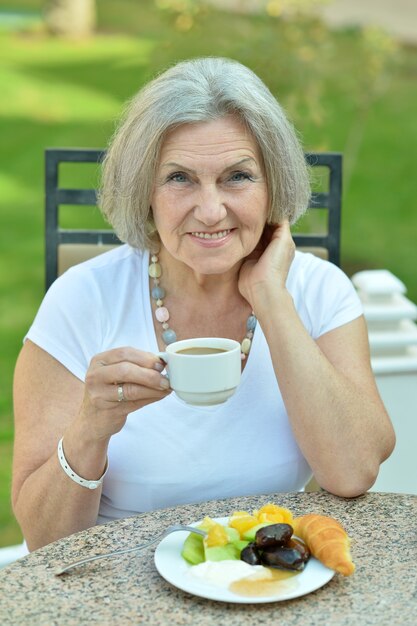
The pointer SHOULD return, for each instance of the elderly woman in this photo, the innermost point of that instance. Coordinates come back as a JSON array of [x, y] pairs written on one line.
[[201, 181]]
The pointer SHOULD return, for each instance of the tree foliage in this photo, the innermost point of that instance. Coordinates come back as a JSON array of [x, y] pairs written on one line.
[[70, 18], [294, 52]]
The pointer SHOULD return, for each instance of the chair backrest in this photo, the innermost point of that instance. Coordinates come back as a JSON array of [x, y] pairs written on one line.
[[67, 246]]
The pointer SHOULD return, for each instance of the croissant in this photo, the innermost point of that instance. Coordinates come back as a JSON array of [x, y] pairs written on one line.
[[326, 540]]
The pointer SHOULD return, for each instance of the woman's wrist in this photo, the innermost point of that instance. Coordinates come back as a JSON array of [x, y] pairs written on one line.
[[268, 303], [86, 455], [70, 472]]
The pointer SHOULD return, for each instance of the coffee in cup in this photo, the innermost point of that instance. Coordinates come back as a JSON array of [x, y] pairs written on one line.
[[203, 371], [201, 350]]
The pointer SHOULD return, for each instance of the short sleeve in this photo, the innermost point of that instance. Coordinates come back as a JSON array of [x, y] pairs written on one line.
[[68, 324], [325, 297]]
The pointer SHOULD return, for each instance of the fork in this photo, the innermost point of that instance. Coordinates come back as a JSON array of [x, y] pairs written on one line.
[[167, 531]]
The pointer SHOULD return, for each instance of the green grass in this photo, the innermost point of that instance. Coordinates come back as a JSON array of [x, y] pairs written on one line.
[[58, 93]]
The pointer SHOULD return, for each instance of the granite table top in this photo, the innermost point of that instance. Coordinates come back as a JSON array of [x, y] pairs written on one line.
[[128, 589]]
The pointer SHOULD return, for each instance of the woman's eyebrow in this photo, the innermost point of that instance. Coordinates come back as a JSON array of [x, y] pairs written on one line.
[[233, 166], [177, 166], [245, 161]]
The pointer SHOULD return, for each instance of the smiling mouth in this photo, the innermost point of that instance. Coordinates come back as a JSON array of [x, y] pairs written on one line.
[[218, 235]]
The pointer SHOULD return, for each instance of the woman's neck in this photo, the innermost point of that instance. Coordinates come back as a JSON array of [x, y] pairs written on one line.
[[179, 278], [195, 305]]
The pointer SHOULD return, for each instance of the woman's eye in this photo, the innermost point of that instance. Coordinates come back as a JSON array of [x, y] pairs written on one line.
[[178, 177], [237, 177]]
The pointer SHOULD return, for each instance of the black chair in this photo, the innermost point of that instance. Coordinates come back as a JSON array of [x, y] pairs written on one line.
[[65, 247]]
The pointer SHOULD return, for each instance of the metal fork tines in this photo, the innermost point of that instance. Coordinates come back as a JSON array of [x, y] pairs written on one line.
[[168, 531]]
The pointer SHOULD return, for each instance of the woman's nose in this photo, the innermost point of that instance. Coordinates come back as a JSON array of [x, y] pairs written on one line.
[[210, 208]]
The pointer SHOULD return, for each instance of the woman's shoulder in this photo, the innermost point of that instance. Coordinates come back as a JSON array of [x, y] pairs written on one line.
[[111, 267], [119, 256], [323, 294], [85, 309], [306, 266]]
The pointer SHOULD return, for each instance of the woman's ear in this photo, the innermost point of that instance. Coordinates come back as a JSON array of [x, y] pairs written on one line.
[[150, 227]]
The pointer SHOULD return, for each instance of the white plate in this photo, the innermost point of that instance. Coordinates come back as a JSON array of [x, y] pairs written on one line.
[[171, 566]]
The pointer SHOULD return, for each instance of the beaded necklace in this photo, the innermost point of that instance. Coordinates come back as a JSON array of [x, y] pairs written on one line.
[[162, 314]]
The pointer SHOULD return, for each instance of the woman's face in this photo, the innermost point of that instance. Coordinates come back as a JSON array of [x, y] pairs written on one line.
[[210, 199]]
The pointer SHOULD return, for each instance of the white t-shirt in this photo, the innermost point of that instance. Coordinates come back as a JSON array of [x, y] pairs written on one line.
[[168, 452]]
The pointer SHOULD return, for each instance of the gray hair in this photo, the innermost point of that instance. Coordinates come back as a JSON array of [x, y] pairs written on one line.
[[193, 91]]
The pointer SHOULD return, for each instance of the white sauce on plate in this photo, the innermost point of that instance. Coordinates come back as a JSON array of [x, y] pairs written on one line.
[[224, 573]]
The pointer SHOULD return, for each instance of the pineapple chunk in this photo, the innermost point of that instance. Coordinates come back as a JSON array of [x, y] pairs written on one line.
[[242, 523], [273, 513], [216, 536]]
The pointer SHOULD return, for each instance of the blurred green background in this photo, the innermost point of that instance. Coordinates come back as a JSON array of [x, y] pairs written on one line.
[[351, 90]]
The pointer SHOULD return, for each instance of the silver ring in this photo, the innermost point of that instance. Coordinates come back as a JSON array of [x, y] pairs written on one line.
[[120, 394]]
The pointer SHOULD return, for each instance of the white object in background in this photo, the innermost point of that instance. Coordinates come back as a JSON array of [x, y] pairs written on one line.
[[392, 334], [378, 282], [393, 342], [394, 308], [383, 298], [12, 553], [399, 394]]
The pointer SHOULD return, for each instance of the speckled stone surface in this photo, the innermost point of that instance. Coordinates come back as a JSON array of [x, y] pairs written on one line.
[[128, 589]]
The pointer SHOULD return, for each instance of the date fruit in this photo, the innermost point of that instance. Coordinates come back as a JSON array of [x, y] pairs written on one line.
[[283, 558], [300, 546], [251, 555], [273, 535]]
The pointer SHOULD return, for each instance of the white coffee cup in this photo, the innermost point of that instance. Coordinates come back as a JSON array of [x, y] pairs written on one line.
[[205, 370]]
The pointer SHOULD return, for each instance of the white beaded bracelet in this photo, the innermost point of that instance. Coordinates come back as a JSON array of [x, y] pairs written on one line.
[[89, 484]]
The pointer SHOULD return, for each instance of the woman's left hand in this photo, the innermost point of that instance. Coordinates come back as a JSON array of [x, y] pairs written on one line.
[[268, 265]]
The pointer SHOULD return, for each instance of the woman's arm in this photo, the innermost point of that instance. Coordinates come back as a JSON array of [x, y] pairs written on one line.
[[330, 394], [49, 402], [327, 385]]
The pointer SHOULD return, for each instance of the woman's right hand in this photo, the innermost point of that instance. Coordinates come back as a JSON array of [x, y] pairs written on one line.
[[50, 402], [139, 375]]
